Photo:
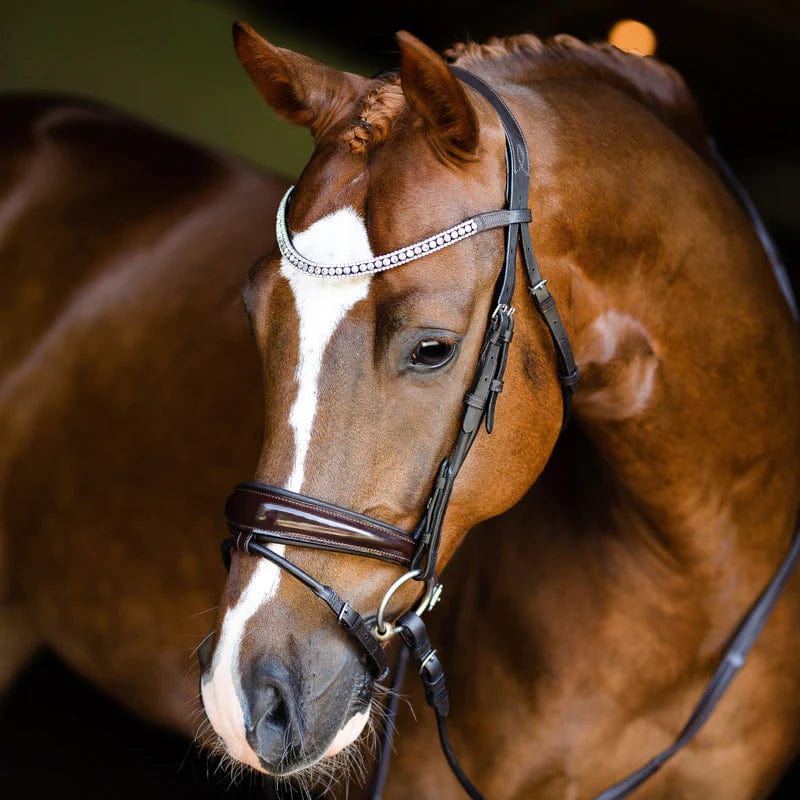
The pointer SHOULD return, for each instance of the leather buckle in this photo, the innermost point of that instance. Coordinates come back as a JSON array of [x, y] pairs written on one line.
[[415, 635]]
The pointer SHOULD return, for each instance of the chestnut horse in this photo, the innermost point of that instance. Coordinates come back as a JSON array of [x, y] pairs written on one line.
[[585, 614], [583, 620]]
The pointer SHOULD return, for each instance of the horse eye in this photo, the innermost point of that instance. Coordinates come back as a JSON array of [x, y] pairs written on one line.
[[432, 353]]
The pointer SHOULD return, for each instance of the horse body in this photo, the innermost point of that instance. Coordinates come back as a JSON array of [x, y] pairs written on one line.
[[126, 364], [579, 626]]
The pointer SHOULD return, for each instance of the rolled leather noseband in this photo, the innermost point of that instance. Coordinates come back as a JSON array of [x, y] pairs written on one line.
[[284, 517], [259, 515]]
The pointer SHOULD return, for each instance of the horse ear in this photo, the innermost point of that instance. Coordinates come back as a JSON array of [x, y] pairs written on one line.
[[296, 87], [438, 97]]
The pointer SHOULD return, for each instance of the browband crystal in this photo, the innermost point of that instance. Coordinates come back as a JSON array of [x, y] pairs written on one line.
[[456, 233]]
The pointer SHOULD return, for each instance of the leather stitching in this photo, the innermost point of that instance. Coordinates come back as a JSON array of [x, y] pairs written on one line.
[[304, 506], [282, 537]]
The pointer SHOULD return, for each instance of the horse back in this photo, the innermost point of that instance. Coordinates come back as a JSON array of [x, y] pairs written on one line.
[[82, 186]]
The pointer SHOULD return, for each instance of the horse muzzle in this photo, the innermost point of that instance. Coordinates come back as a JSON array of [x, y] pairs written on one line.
[[278, 697]]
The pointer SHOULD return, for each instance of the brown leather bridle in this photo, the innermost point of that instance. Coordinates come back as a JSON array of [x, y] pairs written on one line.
[[259, 515]]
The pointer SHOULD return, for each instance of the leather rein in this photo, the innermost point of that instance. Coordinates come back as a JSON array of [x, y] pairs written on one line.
[[260, 515]]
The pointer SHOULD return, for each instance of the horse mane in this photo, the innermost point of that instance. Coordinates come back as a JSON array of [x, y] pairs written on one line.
[[526, 58]]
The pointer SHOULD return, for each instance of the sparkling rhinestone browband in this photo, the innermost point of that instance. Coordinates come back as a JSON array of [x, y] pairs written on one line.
[[396, 258]]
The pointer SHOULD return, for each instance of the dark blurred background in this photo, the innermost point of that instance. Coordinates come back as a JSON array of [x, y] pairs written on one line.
[[171, 61]]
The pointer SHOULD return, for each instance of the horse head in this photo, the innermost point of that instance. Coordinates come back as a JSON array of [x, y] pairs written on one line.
[[364, 378]]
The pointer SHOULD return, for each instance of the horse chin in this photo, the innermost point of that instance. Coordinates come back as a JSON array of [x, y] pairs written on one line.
[[347, 736], [342, 753]]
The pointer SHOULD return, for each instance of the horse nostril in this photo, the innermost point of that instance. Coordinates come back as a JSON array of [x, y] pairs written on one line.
[[274, 708], [270, 733], [205, 651]]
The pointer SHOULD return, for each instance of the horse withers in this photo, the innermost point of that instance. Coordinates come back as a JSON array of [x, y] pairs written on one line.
[[585, 615]]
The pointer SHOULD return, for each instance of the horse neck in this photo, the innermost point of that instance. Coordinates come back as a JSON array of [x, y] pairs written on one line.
[[669, 502], [668, 505], [689, 355]]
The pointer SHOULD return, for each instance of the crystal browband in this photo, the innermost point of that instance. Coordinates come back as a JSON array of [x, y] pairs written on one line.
[[445, 238]]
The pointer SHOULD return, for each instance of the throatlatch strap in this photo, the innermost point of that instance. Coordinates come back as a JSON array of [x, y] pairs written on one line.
[[488, 381], [518, 187]]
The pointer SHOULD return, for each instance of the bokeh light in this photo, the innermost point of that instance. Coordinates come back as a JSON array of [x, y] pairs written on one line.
[[633, 37]]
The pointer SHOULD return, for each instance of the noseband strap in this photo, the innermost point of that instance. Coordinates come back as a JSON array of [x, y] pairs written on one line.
[[347, 616], [278, 515]]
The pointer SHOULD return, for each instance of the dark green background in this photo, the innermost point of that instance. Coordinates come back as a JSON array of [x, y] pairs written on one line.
[[170, 61]]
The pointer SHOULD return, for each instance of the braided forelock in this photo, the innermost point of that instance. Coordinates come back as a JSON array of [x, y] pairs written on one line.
[[381, 107]]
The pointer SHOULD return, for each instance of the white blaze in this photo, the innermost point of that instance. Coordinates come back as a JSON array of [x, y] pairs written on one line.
[[223, 681], [321, 304]]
